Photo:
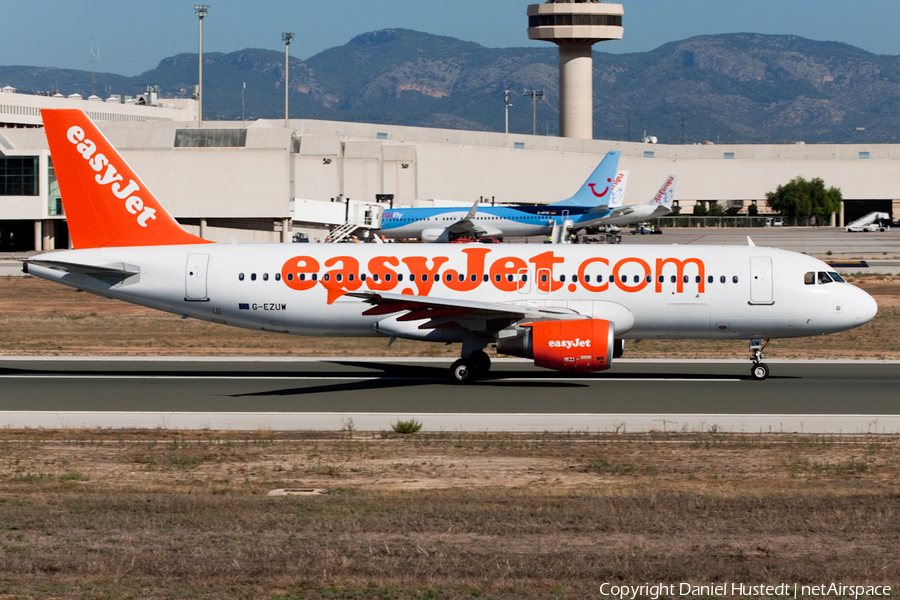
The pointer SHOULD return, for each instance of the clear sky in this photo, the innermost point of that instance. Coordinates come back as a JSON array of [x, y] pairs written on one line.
[[134, 36]]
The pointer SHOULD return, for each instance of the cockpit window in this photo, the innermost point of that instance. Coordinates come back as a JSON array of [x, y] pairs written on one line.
[[836, 277], [824, 277], [810, 278]]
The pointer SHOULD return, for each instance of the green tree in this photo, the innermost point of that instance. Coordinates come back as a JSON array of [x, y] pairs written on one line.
[[802, 198], [715, 210], [753, 209], [700, 210]]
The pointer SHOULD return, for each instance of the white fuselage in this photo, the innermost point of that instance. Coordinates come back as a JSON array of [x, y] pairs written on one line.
[[648, 291]]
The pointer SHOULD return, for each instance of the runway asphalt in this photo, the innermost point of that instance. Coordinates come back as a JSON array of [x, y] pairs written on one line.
[[833, 397]]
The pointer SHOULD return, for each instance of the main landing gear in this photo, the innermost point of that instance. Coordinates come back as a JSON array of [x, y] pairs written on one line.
[[466, 370], [760, 370]]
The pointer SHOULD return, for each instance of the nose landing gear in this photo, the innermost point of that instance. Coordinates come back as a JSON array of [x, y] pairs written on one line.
[[760, 370]]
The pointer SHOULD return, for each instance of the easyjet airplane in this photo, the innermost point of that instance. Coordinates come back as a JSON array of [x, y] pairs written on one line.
[[567, 307]]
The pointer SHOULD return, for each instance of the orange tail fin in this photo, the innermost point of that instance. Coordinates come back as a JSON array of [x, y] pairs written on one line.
[[106, 203]]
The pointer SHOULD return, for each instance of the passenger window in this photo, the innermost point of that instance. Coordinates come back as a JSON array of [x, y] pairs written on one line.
[[543, 278], [474, 278], [240, 276], [722, 279], [326, 276], [362, 276], [709, 279], [448, 277], [497, 277], [374, 276], [661, 279], [624, 278], [587, 278], [252, 276], [387, 276], [810, 278], [685, 278], [735, 279], [697, 279], [562, 278], [485, 277], [637, 278], [525, 277], [461, 277], [399, 276], [277, 276], [509, 278], [290, 277], [351, 277], [265, 276], [575, 278], [315, 276], [824, 278], [301, 276], [674, 279]]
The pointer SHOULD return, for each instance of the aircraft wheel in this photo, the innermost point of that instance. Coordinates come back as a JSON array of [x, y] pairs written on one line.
[[462, 371], [759, 371], [481, 362]]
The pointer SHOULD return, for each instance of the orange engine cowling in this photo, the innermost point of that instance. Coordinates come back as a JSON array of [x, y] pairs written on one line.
[[583, 345]]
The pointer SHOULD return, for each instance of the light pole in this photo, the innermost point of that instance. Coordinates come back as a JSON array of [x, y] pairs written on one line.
[[286, 38], [506, 95], [535, 94], [201, 11]]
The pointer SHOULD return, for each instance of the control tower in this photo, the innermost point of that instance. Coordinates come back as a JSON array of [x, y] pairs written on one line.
[[575, 26]]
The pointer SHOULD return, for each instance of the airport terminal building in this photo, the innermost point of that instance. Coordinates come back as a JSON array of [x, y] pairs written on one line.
[[262, 181]]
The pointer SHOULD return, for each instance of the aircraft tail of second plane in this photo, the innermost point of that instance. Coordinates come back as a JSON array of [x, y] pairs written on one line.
[[597, 190]]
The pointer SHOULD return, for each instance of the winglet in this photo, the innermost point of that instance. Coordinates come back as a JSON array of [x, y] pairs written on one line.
[[472, 210], [750, 242], [106, 203], [596, 191]]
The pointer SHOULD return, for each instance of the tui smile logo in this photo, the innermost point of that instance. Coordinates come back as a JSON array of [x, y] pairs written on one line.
[[594, 191]]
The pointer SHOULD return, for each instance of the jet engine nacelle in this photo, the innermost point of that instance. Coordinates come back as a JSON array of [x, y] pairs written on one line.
[[582, 345], [441, 236]]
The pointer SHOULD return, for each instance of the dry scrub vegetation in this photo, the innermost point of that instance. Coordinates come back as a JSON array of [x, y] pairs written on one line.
[[42, 318], [161, 514]]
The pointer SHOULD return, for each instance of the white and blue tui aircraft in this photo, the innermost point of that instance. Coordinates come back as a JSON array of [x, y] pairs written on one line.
[[585, 209]]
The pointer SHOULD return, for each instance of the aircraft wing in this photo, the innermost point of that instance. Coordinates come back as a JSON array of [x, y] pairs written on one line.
[[468, 226], [477, 317], [622, 211]]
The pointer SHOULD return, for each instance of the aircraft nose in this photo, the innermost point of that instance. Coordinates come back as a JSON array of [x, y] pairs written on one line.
[[864, 307]]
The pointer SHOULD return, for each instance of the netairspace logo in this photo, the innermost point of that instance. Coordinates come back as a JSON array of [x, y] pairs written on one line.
[[784, 590]]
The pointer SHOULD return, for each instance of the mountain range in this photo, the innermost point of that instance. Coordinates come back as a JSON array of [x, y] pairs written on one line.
[[732, 88]]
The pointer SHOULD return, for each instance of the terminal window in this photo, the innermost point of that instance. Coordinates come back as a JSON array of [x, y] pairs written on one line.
[[210, 138], [19, 175]]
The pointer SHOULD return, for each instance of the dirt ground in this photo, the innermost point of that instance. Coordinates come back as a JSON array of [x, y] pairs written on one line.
[[40, 318], [162, 514]]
